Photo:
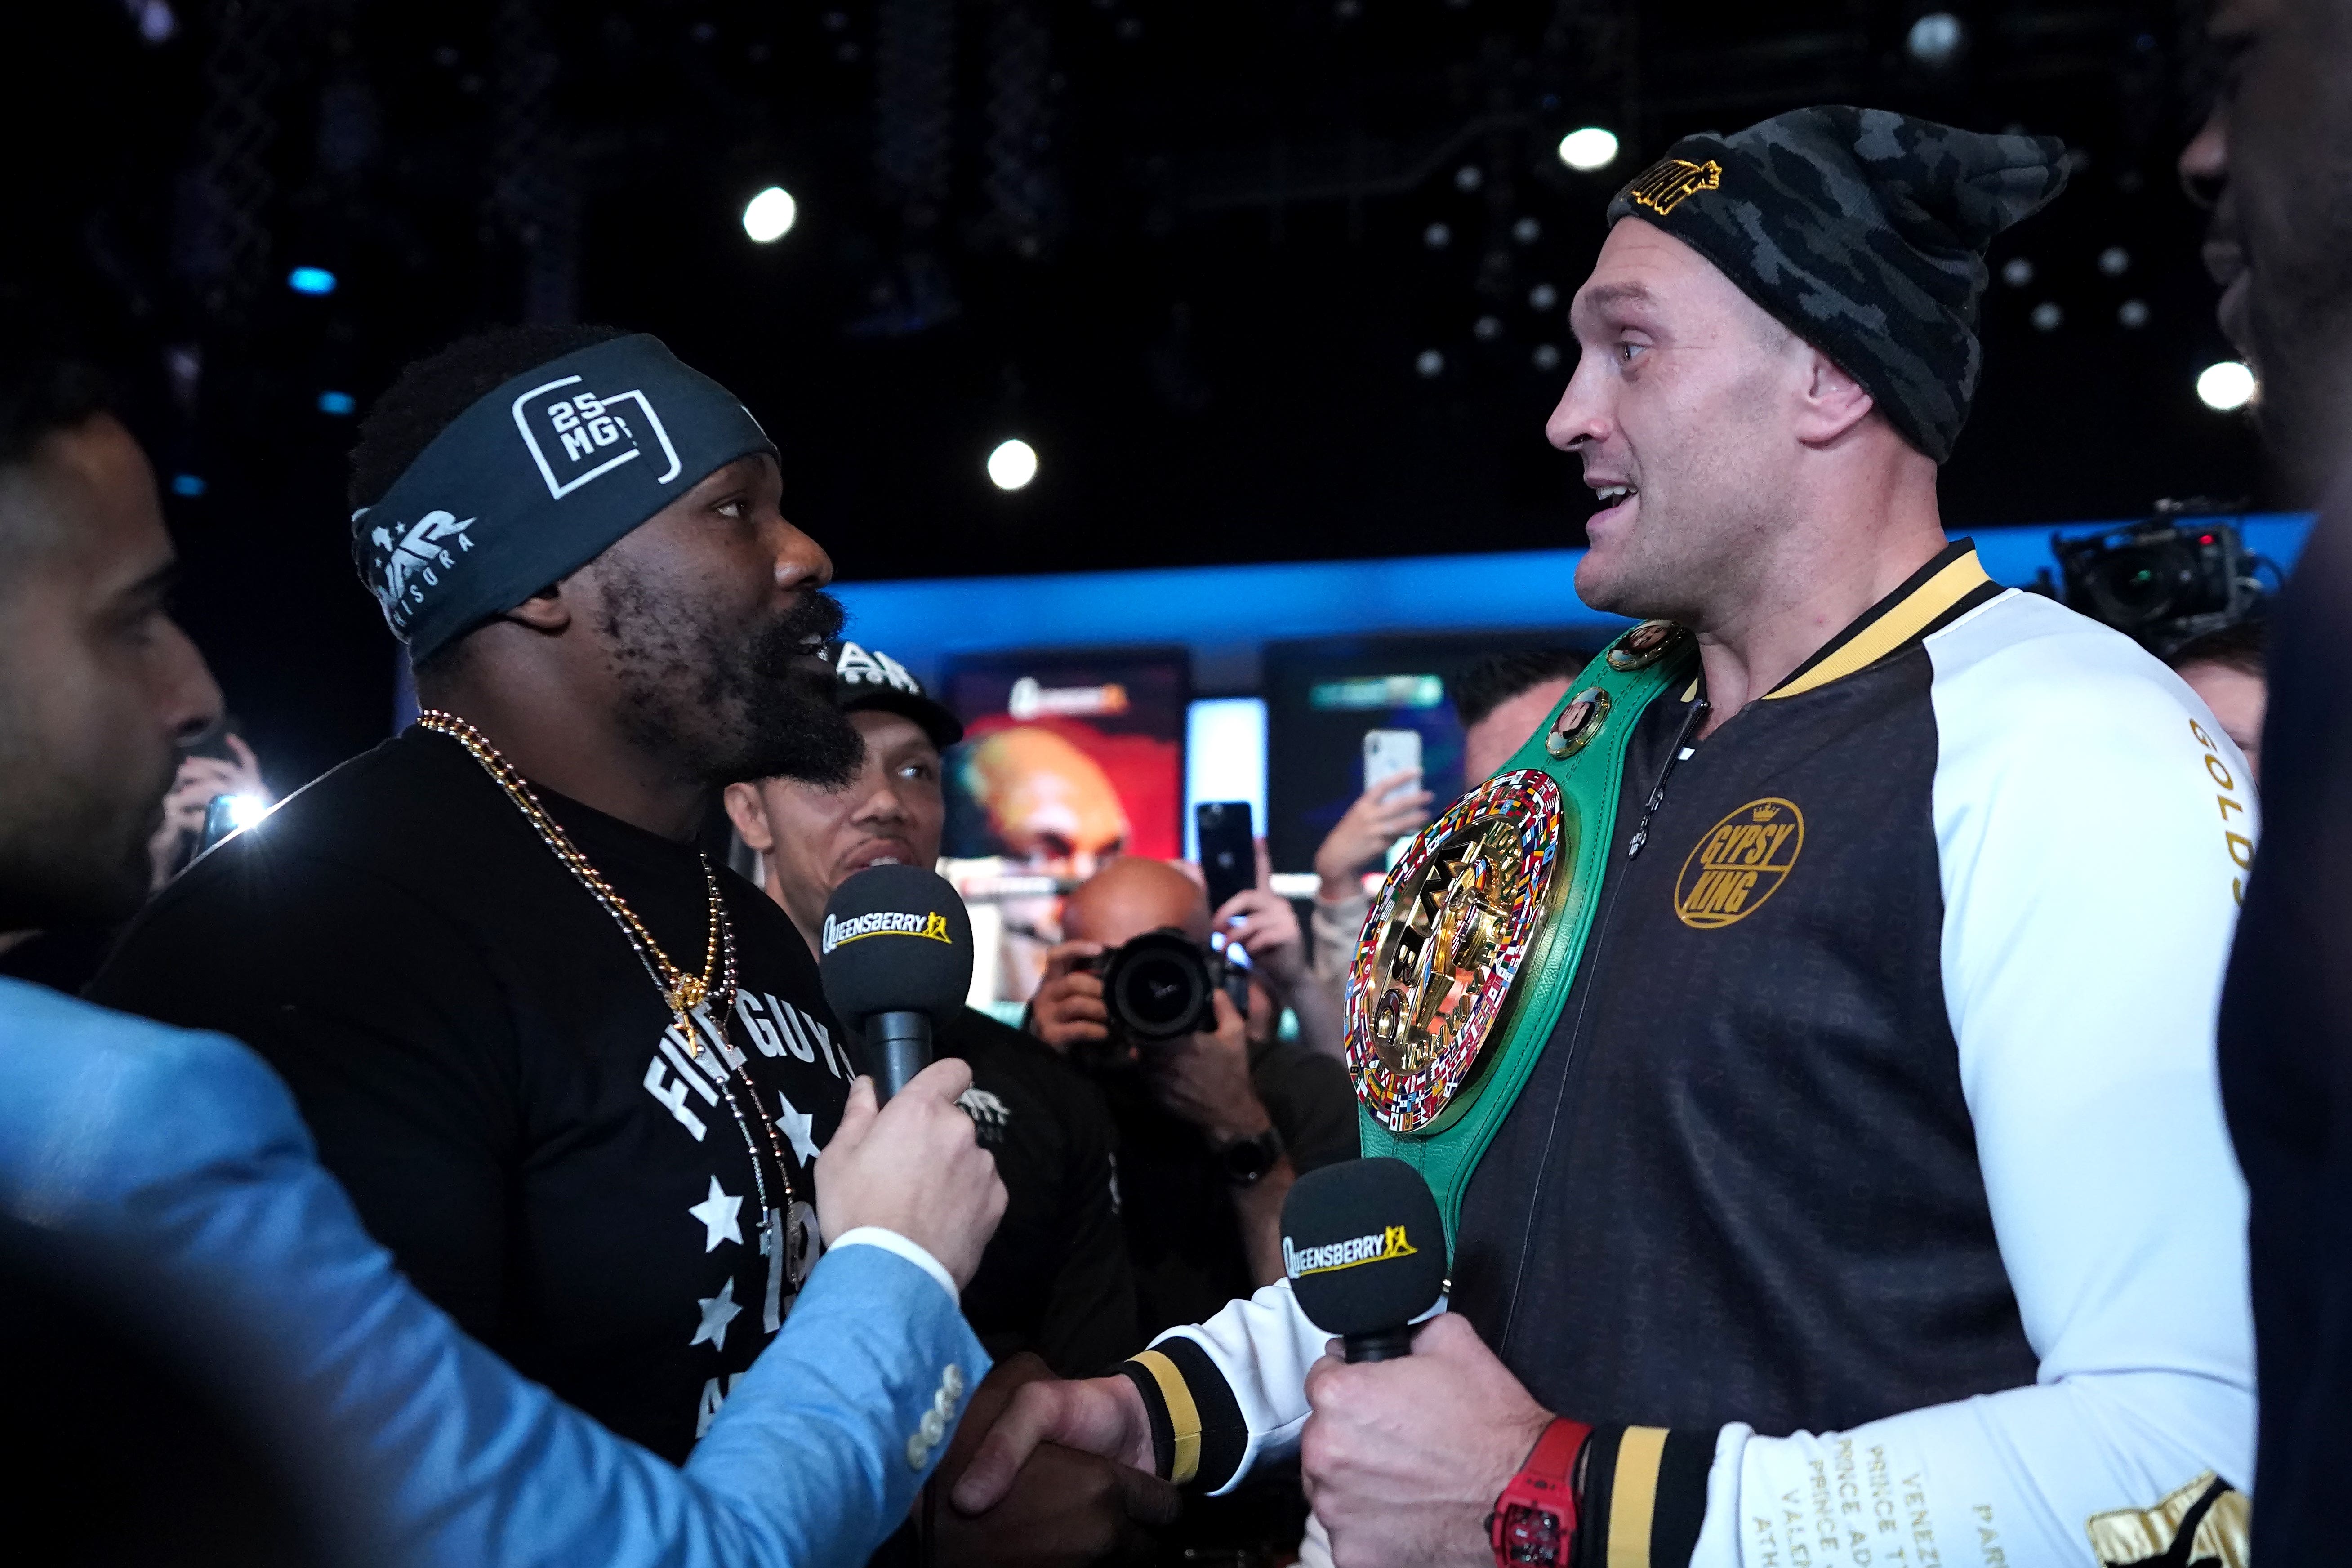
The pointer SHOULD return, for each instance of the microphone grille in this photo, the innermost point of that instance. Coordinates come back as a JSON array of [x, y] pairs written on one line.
[[1363, 1246], [895, 939]]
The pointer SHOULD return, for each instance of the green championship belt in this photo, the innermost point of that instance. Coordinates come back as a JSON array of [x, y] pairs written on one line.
[[1443, 1025]]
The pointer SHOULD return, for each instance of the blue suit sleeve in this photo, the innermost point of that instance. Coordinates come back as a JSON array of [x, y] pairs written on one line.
[[187, 1149]]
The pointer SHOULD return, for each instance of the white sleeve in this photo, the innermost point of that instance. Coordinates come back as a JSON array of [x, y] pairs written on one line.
[[2094, 823], [1261, 1348]]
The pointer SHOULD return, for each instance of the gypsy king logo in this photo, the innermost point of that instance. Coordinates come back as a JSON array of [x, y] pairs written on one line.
[[930, 924], [1738, 863], [576, 434], [412, 561], [1662, 187]]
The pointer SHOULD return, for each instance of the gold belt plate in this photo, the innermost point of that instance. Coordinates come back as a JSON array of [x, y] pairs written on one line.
[[1443, 943]]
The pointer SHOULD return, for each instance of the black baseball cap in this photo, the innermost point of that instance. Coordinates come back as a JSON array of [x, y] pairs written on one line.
[[870, 678]]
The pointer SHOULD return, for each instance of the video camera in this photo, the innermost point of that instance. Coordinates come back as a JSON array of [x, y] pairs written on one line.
[[2177, 575], [1157, 987]]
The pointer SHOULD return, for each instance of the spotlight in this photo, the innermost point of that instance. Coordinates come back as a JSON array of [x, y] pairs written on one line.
[[1546, 357], [1468, 177], [244, 810], [341, 405], [1486, 328], [156, 23], [1013, 465], [1527, 231], [2114, 261], [1429, 362], [1589, 149], [770, 215], [1542, 297], [2047, 316], [2226, 387], [2017, 272], [1937, 39], [311, 280], [2132, 313], [187, 484], [1438, 236]]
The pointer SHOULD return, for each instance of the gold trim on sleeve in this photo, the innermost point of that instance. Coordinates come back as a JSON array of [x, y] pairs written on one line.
[[1183, 1416]]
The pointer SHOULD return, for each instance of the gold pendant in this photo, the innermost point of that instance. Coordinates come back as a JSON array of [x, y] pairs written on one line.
[[689, 994]]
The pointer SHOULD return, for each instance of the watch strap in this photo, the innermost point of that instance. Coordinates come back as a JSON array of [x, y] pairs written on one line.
[[1534, 1524]]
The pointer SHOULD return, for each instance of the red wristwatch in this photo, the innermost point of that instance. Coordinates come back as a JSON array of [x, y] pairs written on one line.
[[1534, 1521]]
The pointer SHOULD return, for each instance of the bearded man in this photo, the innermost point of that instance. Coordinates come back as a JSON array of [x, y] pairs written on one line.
[[1827, 1138], [572, 1075], [2274, 162]]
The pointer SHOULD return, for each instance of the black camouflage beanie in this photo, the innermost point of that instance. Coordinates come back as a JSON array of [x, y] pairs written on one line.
[[1865, 233]]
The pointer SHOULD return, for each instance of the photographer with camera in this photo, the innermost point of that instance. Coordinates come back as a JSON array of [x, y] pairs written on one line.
[[1215, 1116]]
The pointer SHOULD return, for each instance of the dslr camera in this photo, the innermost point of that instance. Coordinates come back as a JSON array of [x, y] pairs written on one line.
[[1157, 987], [2164, 581]]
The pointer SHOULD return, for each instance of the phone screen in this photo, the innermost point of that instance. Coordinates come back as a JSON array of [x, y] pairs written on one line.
[[1388, 753], [1228, 848]]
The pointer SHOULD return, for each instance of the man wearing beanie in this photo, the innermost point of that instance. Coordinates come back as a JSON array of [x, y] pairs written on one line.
[[574, 1075], [1813, 1060]]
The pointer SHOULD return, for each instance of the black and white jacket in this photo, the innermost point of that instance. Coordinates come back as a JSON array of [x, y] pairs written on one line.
[[1872, 1197]]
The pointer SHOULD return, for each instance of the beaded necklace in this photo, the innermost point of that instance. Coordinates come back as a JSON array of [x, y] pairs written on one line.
[[688, 996]]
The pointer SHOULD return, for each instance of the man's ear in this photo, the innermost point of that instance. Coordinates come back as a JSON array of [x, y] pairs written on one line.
[[749, 812], [1830, 402], [544, 610]]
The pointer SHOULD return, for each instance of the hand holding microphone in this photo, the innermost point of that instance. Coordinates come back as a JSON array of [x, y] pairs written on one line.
[[914, 1167], [1414, 1433], [896, 960]]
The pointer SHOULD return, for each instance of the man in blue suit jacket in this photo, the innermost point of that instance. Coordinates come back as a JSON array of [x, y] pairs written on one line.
[[183, 1154]]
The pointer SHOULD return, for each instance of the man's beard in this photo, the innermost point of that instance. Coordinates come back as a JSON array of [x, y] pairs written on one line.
[[725, 704]]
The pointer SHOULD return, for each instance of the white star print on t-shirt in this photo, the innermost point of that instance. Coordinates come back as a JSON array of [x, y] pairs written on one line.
[[718, 1213], [796, 1124], [718, 1312]]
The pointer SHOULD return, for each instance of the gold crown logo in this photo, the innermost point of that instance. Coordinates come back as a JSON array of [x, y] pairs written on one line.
[[1764, 814], [1670, 180]]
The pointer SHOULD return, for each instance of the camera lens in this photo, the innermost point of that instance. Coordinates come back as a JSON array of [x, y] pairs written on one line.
[[1157, 987], [2134, 587]]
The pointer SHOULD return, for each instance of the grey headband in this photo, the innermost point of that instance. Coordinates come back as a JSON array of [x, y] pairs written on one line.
[[539, 478]]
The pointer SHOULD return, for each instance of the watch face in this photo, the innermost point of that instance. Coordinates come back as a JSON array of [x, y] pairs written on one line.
[[1527, 1535]]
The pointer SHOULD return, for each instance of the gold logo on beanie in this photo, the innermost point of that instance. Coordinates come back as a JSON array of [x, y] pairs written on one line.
[[1669, 180]]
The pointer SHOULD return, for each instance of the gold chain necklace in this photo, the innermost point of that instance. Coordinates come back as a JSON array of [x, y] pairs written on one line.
[[683, 990], [685, 994]]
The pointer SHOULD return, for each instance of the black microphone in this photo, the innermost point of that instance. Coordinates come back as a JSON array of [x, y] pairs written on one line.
[[895, 957], [1365, 1252]]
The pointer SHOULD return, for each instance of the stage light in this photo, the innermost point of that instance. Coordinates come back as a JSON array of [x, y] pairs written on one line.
[[1546, 357], [2132, 313], [2017, 272], [341, 405], [1438, 236], [1486, 328], [187, 484], [1013, 465], [1429, 363], [156, 23], [311, 280], [1468, 177], [1542, 297], [1527, 231], [1937, 39], [1589, 149], [770, 215], [245, 810], [2114, 261], [2225, 387], [2047, 316]]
